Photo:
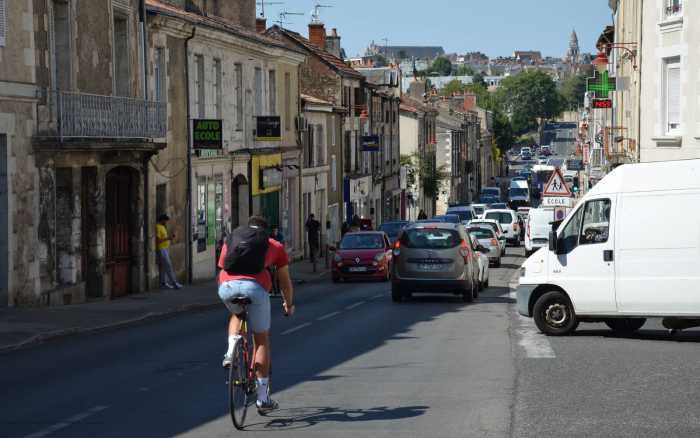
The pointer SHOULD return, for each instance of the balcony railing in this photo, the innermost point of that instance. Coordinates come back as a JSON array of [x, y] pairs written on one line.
[[674, 8], [81, 115]]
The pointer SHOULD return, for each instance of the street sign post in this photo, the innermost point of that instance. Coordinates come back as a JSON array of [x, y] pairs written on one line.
[[556, 186]]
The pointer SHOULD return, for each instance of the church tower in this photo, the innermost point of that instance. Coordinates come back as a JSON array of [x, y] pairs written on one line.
[[573, 54]]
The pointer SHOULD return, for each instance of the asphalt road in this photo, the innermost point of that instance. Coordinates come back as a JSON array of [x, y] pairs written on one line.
[[351, 363]]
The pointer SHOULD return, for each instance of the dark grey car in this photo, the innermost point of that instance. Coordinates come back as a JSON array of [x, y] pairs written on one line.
[[434, 258]]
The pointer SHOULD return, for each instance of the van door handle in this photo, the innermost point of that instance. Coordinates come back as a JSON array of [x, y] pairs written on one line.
[[608, 255]]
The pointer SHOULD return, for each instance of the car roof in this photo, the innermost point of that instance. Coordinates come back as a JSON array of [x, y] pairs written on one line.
[[499, 210], [394, 222], [435, 224], [352, 233], [459, 208]]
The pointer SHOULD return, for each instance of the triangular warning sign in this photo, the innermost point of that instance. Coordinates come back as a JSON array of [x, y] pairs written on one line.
[[556, 186]]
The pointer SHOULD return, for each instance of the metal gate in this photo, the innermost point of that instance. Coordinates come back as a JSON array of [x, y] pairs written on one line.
[[118, 217], [3, 222]]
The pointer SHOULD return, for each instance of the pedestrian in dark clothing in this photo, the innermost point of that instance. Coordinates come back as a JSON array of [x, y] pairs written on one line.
[[313, 228], [422, 216]]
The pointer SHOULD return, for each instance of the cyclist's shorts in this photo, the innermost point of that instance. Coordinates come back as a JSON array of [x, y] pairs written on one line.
[[258, 310]]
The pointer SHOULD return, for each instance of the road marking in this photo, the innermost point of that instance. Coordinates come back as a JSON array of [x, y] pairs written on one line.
[[297, 328], [376, 297], [535, 344], [330, 315], [352, 306], [65, 423]]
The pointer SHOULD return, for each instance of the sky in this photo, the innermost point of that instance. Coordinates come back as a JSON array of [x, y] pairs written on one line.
[[494, 27]]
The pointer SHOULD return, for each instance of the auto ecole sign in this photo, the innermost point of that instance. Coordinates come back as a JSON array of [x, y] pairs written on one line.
[[556, 186], [207, 134]]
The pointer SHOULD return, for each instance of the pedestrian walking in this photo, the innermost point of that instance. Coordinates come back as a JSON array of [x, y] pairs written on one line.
[[165, 266], [313, 228]]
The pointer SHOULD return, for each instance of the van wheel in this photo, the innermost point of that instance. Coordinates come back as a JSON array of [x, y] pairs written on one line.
[[554, 314], [396, 294], [625, 325]]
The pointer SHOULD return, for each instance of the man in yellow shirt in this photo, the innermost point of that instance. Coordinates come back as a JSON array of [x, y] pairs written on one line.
[[165, 267]]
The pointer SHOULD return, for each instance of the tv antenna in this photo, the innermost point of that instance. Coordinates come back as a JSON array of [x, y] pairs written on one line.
[[282, 20], [262, 4], [316, 12]]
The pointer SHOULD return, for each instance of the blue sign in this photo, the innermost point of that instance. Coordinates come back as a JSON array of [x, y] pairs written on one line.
[[370, 143]]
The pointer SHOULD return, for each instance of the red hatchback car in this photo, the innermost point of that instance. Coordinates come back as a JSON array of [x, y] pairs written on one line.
[[363, 255]]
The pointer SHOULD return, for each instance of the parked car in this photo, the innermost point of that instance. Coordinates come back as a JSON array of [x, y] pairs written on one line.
[[479, 210], [525, 150], [509, 222], [518, 196], [465, 212], [392, 229], [449, 218], [434, 258], [546, 150], [537, 229], [362, 255], [483, 262], [488, 239], [608, 262], [496, 227]]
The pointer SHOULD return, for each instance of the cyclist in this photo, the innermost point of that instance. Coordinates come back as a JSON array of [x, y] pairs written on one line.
[[256, 287]]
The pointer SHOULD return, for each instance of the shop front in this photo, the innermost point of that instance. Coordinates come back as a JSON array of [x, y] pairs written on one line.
[[266, 185]]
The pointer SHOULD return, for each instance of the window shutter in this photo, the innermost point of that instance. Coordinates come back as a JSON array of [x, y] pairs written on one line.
[[674, 97], [3, 23]]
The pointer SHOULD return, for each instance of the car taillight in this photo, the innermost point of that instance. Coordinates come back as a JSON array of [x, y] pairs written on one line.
[[397, 248], [464, 250], [494, 242], [528, 230]]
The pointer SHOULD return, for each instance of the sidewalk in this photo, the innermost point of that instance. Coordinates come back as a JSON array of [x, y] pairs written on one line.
[[20, 327]]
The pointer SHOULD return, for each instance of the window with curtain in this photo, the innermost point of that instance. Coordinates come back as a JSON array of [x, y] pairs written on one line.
[[238, 72], [217, 87], [672, 98], [259, 110], [272, 92]]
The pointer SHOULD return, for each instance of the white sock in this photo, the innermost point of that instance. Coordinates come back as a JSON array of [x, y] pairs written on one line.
[[262, 388], [231, 344]]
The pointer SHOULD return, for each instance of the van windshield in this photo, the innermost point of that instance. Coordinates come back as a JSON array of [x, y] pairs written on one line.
[[486, 191], [517, 192], [502, 218], [430, 238]]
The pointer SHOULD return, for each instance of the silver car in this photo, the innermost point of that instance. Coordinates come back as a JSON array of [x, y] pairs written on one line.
[[434, 258], [487, 238]]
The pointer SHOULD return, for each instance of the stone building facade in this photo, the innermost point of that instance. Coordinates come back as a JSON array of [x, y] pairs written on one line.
[[19, 195]]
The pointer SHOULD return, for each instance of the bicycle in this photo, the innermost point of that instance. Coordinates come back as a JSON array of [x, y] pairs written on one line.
[[241, 374]]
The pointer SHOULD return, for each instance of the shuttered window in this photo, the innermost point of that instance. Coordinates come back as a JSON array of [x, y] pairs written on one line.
[[673, 97], [3, 23]]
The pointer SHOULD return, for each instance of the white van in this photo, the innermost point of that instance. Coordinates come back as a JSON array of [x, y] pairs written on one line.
[[537, 229], [628, 251]]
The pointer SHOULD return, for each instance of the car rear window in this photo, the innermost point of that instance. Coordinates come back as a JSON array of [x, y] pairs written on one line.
[[481, 233], [489, 192], [430, 238], [362, 241], [501, 217], [392, 229], [464, 215]]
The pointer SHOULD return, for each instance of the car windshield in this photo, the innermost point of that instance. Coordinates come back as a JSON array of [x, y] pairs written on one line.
[[362, 241], [481, 233], [392, 229], [497, 206], [489, 191], [452, 218], [430, 238], [517, 192], [464, 215], [479, 210], [501, 217]]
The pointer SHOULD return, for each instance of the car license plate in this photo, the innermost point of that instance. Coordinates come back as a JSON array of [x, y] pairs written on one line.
[[357, 269], [431, 267]]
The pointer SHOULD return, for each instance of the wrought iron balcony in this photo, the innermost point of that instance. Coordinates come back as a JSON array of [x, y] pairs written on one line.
[[81, 115]]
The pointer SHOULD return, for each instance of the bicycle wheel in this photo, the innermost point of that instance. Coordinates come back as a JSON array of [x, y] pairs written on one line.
[[238, 386]]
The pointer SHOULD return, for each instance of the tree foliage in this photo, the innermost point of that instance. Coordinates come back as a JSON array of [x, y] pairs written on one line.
[[465, 70], [527, 97], [573, 89], [441, 65], [455, 86]]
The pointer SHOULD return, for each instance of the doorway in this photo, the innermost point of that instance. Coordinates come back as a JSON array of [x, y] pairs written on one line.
[[119, 215]]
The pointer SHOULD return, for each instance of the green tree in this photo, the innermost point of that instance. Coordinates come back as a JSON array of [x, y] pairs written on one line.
[[465, 70], [441, 65], [529, 97], [452, 87], [502, 130], [573, 89], [478, 79]]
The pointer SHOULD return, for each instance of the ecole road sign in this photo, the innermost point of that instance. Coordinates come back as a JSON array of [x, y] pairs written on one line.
[[556, 186], [556, 201]]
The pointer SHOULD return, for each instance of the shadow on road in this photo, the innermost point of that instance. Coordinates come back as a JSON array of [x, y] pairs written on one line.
[[301, 418], [643, 335]]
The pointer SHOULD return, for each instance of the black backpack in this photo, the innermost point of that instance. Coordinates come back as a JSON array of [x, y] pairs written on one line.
[[246, 248]]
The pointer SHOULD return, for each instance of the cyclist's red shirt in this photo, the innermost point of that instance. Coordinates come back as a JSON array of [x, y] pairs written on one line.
[[276, 256]]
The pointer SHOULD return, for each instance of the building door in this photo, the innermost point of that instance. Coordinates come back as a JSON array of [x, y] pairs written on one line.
[[118, 228], [3, 222]]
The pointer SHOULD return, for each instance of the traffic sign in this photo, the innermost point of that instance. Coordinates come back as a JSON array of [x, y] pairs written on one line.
[[556, 201], [556, 186]]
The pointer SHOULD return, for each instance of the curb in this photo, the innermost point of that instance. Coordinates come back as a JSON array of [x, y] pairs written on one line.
[[152, 316]]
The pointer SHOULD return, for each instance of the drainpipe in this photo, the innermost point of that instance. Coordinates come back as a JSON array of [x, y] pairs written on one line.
[[144, 46], [639, 86], [188, 256], [146, 182]]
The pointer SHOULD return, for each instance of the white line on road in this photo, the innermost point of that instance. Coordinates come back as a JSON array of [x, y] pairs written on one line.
[[67, 422], [535, 344], [297, 328], [376, 297], [352, 306], [330, 315]]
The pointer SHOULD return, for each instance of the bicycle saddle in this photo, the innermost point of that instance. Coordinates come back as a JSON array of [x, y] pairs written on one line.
[[244, 301]]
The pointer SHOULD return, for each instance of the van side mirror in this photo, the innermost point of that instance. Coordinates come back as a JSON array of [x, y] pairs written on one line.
[[553, 241]]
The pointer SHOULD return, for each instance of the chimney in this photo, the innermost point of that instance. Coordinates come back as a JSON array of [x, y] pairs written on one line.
[[260, 24], [333, 43], [469, 101], [317, 35]]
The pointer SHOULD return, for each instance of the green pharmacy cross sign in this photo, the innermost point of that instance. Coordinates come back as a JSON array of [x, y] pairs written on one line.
[[601, 84]]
